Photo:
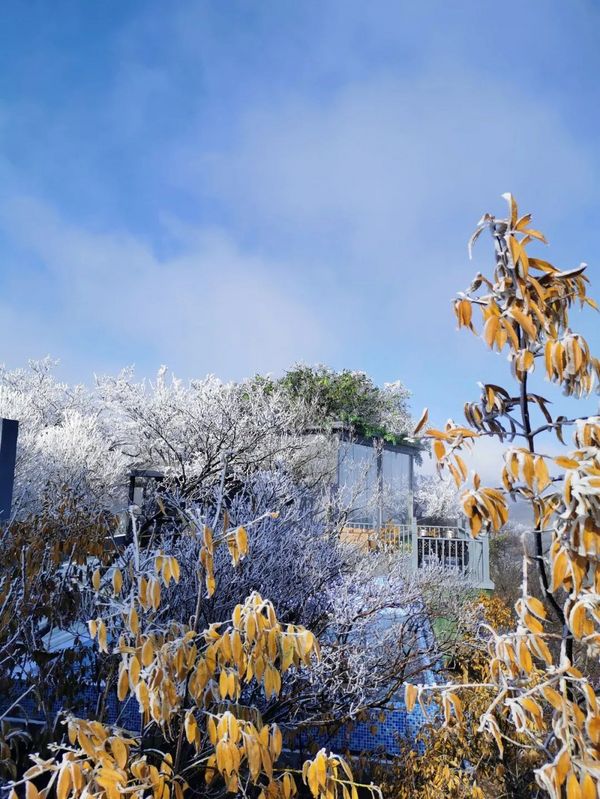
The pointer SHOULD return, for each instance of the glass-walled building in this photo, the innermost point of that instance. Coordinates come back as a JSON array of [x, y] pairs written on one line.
[[374, 487], [375, 481]]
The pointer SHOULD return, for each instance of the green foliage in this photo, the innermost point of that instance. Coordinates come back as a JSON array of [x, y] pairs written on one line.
[[351, 397]]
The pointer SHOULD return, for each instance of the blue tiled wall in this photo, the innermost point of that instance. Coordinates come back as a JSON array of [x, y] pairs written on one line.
[[373, 735], [386, 735], [124, 714]]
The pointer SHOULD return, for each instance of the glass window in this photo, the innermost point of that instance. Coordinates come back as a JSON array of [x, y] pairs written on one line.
[[371, 498], [358, 481], [395, 488]]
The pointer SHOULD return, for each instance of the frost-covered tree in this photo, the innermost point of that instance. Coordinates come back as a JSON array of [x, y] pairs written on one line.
[[217, 678], [84, 441], [63, 445], [542, 679], [190, 429], [437, 498], [195, 681], [371, 614], [229, 453]]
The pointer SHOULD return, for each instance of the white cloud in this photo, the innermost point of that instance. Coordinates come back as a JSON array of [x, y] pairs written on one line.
[[346, 153], [375, 187], [386, 166], [210, 307]]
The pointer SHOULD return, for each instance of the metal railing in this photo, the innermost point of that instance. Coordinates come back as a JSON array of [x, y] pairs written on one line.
[[388, 538], [428, 545]]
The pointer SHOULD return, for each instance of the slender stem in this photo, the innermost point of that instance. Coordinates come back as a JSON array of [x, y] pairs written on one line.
[[179, 749], [524, 404], [502, 255], [537, 532]]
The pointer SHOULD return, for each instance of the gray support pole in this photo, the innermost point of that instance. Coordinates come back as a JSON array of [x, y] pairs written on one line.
[[485, 552], [411, 489], [379, 472], [414, 537], [9, 430]]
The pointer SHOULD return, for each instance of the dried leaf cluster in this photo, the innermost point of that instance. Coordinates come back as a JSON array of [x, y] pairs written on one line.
[[192, 688], [540, 674]]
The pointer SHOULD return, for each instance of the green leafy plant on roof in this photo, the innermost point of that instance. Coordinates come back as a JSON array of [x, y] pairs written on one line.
[[351, 397]]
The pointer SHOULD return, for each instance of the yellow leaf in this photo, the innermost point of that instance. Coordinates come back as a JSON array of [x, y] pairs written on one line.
[[559, 570], [525, 660], [147, 652], [76, 776], [514, 211], [277, 741], [223, 684], [134, 671], [462, 466], [515, 250], [541, 473], [190, 727], [86, 745], [321, 768], [439, 450], [241, 539], [577, 618], [528, 469], [143, 592], [422, 422], [102, 636], [563, 765], [133, 620], [535, 234], [490, 330], [211, 584], [63, 785], [456, 475], [166, 571], [117, 581], [410, 696], [96, 580], [566, 463], [523, 320], [143, 696], [155, 594], [573, 788], [253, 755], [553, 697], [119, 751], [536, 607], [123, 684], [510, 333], [208, 538], [588, 787]]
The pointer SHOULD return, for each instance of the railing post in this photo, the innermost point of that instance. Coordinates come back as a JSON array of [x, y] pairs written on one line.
[[485, 561], [474, 560], [414, 549], [479, 562]]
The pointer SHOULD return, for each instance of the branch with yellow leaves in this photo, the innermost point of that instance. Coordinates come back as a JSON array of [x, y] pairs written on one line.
[[545, 696]]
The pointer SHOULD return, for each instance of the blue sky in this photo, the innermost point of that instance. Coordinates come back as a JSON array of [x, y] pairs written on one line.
[[230, 187]]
